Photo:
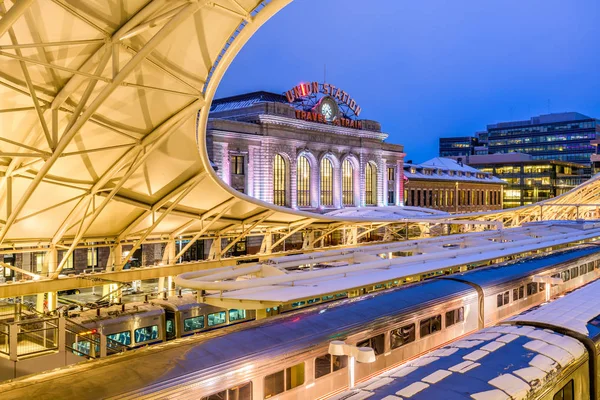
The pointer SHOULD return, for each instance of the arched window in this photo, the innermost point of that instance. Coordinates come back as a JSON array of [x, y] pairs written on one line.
[[371, 184], [279, 181], [326, 182], [347, 183], [303, 182]]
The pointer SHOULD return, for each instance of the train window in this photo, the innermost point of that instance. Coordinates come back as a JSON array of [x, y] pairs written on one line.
[[503, 299], [170, 328], [555, 276], [121, 337], [294, 376], [532, 288], [222, 395], [430, 325], [515, 294], [339, 362], [401, 336], [322, 365], [327, 298], [377, 343], [574, 272], [542, 286], [327, 363], [298, 304], [566, 275], [312, 301], [193, 323], [236, 315], [273, 384], [567, 392], [242, 392], [521, 292], [146, 333], [455, 316], [583, 269], [217, 318]]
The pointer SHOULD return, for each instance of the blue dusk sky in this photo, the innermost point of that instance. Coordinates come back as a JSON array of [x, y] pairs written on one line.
[[433, 68]]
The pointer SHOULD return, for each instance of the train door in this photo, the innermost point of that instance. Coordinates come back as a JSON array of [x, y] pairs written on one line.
[[170, 324]]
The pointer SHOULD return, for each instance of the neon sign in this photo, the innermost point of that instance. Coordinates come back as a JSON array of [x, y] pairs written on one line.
[[312, 88]]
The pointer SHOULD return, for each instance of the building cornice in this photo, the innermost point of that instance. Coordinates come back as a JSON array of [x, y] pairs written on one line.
[[315, 126]]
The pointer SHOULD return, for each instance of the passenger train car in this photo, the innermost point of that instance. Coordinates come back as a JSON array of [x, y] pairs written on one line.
[[141, 324], [286, 357], [548, 353]]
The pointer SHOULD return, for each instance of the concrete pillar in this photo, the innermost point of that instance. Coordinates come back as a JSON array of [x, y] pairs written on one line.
[[267, 243], [115, 257], [170, 285], [13, 341], [161, 284], [309, 237], [111, 291], [170, 252], [62, 336], [215, 249]]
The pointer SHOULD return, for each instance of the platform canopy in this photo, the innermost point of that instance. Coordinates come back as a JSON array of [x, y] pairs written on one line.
[[103, 110]]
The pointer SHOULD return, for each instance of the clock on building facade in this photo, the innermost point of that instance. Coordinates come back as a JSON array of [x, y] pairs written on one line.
[[328, 108]]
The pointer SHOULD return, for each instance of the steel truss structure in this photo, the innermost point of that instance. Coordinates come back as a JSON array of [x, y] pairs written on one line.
[[103, 110]]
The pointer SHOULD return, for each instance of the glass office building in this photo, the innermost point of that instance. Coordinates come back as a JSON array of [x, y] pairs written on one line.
[[457, 146], [528, 180], [561, 136]]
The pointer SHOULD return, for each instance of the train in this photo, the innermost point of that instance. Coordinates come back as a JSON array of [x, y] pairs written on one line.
[[139, 324], [550, 352], [286, 356]]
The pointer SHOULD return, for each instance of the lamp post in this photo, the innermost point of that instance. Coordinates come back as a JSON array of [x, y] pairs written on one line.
[[360, 354]]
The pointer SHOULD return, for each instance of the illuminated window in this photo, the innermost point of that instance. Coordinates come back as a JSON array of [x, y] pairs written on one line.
[[39, 262], [237, 165], [92, 257], [216, 318], [303, 182], [146, 333], [347, 183], [193, 323], [370, 184], [326, 182], [279, 181], [69, 263]]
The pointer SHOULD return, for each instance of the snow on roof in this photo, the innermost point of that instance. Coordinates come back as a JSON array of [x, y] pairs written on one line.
[[444, 167], [448, 164], [571, 312], [387, 212], [517, 371]]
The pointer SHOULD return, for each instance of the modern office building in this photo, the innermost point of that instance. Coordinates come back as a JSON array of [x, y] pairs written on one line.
[[457, 146], [448, 185], [529, 180], [305, 150], [562, 136]]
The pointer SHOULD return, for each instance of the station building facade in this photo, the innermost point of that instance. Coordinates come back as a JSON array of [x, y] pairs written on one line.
[[306, 150], [449, 185]]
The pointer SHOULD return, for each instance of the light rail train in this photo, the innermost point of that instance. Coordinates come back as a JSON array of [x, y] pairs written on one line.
[[285, 357]]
